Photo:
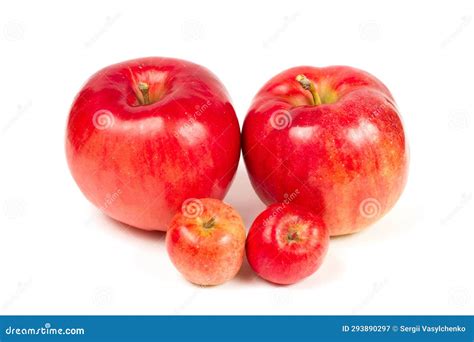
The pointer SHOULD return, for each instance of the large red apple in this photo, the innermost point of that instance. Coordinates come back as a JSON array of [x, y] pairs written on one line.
[[286, 243], [146, 134], [330, 139], [206, 241]]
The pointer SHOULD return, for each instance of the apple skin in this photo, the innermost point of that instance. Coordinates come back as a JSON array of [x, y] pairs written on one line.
[[347, 158], [139, 161], [286, 243], [206, 255]]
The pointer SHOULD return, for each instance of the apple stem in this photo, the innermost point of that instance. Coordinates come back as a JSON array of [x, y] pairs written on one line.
[[309, 85], [292, 236], [210, 223], [144, 89]]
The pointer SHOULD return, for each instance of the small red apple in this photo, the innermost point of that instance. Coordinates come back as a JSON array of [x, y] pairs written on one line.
[[206, 241], [286, 243], [146, 134], [333, 136]]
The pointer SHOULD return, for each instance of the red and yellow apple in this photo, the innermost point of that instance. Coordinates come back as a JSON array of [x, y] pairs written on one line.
[[332, 135], [286, 243], [146, 134], [206, 241]]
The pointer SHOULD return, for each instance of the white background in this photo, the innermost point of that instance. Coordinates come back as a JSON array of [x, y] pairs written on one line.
[[59, 255]]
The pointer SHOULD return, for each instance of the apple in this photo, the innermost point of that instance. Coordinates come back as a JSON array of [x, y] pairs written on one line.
[[286, 243], [206, 241], [331, 139], [146, 134]]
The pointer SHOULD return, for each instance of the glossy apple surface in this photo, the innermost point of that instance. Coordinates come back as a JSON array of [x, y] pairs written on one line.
[[330, 138], [206, 241], [146, 134], [286, 243]]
